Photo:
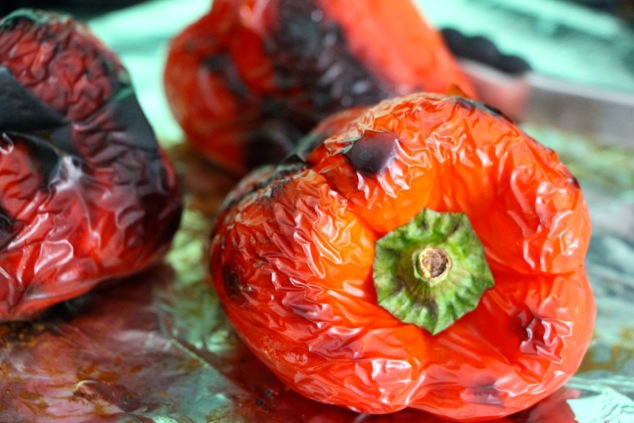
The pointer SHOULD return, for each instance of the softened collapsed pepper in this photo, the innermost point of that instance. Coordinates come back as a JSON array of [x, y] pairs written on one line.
[[87, 193], [424, 252], [249, 78]]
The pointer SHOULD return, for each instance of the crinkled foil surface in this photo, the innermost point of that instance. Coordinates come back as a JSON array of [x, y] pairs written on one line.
[[158, 348]]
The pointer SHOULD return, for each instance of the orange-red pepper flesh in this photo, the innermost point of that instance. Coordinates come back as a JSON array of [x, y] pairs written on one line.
[[248, 78], [292, 254]]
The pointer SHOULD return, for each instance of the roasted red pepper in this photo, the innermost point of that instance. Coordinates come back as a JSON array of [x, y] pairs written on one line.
[[421, 253], [87, 194], [251, 76]]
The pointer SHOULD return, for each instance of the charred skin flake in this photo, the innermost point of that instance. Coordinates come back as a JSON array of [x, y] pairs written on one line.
[[371, 153], [232, 284], [20, 110], [471, 104], [7, 228]]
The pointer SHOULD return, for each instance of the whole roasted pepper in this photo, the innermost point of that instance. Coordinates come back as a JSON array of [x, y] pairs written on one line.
[[251, 76], [87, 194], [421, 253]]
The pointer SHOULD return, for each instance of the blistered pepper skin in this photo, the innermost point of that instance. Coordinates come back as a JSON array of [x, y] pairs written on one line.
[[251, 76], [293, 251], [87, 194]]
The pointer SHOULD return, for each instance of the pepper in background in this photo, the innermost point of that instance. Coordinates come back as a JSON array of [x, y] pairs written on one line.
[[80, 9], [248, 79], [87, 193], [421, 253]]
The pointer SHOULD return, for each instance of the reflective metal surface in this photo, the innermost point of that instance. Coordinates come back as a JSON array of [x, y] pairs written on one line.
[[158, 347]]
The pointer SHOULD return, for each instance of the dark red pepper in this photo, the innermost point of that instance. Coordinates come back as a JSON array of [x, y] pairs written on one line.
[[87, 193]]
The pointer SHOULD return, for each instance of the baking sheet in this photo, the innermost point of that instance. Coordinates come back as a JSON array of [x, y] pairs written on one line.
[[157, 347]]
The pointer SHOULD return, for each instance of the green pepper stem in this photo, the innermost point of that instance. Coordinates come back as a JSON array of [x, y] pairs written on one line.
[[432, 265], [431, 271]]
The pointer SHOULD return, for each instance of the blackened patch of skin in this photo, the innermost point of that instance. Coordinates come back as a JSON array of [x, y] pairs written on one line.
[[493, 110], [126, 122], [470, 104], [371, 153], [22, 111], [7, 229], [293, 159], [277, 190], [62, 139], [282, 172], [231, 283], [572, 179], [310, 55], [222, 64]]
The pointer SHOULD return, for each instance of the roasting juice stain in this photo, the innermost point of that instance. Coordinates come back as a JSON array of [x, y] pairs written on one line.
[[613, 358]]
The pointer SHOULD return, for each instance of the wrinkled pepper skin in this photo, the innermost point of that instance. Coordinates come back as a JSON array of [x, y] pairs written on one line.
[[250, 77], [293, 250], [87, 194]]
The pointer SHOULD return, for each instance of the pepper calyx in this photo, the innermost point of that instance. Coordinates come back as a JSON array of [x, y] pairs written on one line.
[[431, 271]]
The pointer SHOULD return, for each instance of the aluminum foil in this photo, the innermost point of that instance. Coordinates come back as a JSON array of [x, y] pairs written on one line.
[[157, 347]]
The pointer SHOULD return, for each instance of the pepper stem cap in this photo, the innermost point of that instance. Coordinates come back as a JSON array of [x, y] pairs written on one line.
[[431, 271]]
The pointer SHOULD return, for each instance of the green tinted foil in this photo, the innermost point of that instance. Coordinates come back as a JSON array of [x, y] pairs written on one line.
[[158, 347]]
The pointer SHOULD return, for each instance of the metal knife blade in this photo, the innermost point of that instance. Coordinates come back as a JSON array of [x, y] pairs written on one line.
[[604, 114]]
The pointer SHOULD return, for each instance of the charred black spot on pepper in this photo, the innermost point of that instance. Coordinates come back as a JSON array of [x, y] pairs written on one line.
[[8, 228], [261, 402], [21, 110], [276, 190], [232, 283], [310, 54], [222, 64], [493, 110], [572, 179], [128, 125], [371, 153], [62, 139], [470, 104]]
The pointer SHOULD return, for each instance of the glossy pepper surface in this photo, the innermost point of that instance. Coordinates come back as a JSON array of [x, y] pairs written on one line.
[[298, 253], [251, 76], [86, 192]]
